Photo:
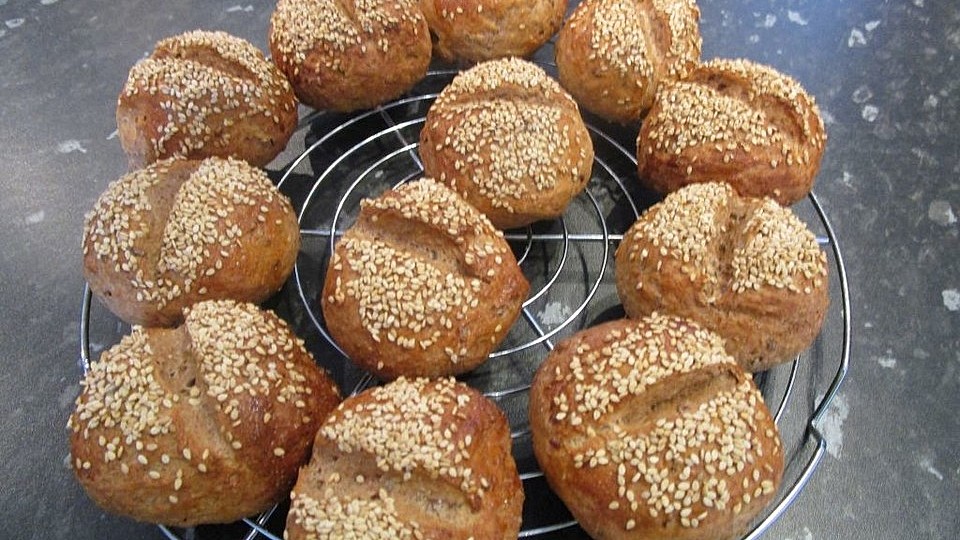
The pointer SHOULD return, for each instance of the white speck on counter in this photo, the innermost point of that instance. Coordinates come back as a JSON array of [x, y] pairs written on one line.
[[931, 102], [71, 145], [233, 9], [871, 26], [868, 325], [951, 299], [554, 313], [14, 23], [887, 362], [767, 21], [113, 135], [754, 38], [870, 112], [807, 535], [35, 218], [941, 213], [48, 2], [862, 94], [796, 18], [847, 179], [927, 465], [832, 425], [918, 3], [856, 39]]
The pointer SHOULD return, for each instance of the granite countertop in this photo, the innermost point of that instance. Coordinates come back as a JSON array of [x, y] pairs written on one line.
[[887, 80]]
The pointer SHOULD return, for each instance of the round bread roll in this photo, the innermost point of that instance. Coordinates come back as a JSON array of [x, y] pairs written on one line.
[[351, 54], [204, 94], [204, 423], [745, 268], [736, 121], [476, 30], [421, 285], [412, 459], [647, 429], [612, 55], [510, 140], [164, 237]]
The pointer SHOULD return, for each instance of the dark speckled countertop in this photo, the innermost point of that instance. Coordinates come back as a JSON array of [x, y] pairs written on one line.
[[887, 79]]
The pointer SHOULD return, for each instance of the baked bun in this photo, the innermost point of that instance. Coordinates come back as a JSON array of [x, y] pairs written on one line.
[[745, 268], [412, 459], [204, 94], [177, 232], [612, 55], [421, 284], [204, 423], [647, 429], [735, 121], [510, 140], [350, 54], [476, 30]]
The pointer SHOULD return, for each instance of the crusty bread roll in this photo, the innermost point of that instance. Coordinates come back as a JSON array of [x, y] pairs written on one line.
[[734, 121], [164, 237], [472, 31], [647, 429], [412, 459], [205, 94], [204, 423], [745, 268], [510, 140], [350, 54], [612, 55], [421, 285]]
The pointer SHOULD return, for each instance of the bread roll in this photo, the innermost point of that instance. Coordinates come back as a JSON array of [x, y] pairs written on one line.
[[164, 237], [421, 284], [412, 459], [204, 423], [737, 122], [647, 430], [351, 54], [510, 140], [204, 94], [612, 55], [745, 268], [472, 31]]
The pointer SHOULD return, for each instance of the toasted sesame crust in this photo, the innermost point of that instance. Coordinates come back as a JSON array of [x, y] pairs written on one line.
[[648, 429], [205, 94], [411, 459], [204, 423], [164, 237], [738, 122], [472, 31], [510, 140], [745, 268], [421, 285], [352, 54], [612, 55]]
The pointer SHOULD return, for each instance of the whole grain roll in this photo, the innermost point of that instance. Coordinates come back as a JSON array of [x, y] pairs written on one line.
[[351, 54], [204, 423], [647, 429], [472, 31], [612, 55], [411, 459], [510, 140], [745, 268], [162, 238], [203, 94], [421, 285], [737, 122]]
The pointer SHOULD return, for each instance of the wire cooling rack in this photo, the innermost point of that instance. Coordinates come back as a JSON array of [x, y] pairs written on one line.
[[334, 161]]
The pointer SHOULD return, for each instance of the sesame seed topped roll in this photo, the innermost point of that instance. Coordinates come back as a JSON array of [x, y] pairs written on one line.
[[351, 54], [204, 423], [746, 268], [410, 459], [203, 94], [648, 429], [421, 285], [738, 122], [612, 55], [176, 232], [510, 140]]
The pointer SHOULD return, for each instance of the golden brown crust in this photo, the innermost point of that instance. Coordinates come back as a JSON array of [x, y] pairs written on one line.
[[411, 459], [351, 54], [510, 140], [177, 232], [473, 31], [421, 285], [738, 122], [612, 55], [204, 423], [203, 94], [647, 429], [745, 268]]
